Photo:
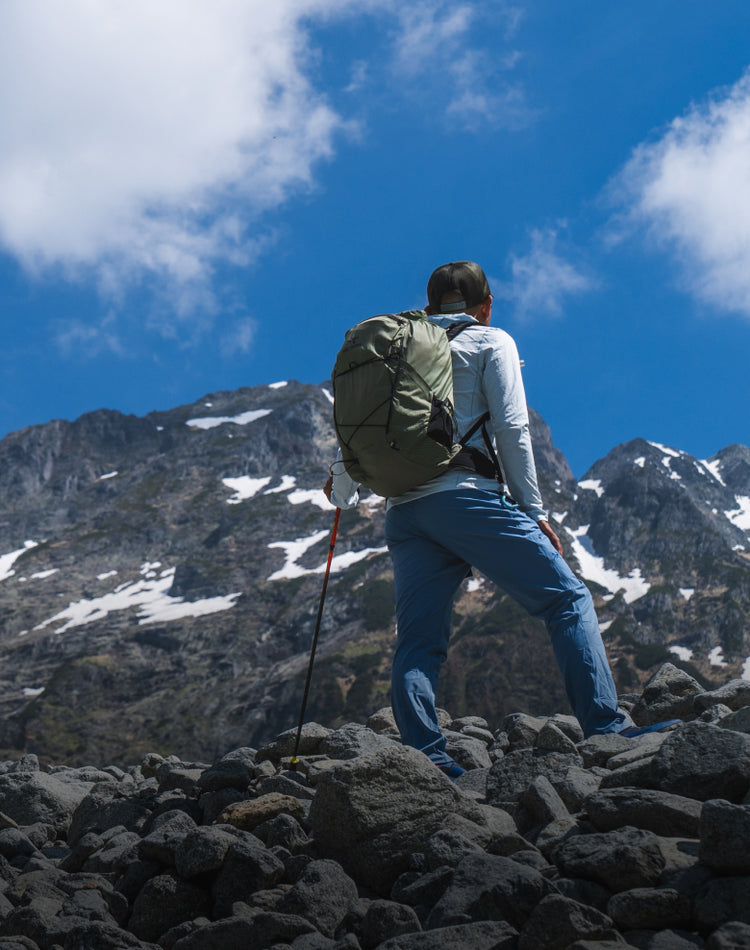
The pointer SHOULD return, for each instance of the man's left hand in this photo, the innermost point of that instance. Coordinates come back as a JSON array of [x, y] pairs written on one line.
[[546, 528]]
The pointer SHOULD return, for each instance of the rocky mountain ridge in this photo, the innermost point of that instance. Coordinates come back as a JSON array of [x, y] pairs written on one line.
[[160, 576]]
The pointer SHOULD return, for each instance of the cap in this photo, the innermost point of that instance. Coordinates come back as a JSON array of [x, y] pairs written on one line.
[[463, 277]]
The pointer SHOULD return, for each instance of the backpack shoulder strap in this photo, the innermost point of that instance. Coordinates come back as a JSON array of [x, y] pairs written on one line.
[[455, 328]]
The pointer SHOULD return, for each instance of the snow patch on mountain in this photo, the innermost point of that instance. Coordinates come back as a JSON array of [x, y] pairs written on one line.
[[244, 487], [293, 551], [684, 653], [287, 484], [716, 657], [210, 422], [592, 568], [279, 385], [713, 469], [666, 450], [150, 594], [316, 496], [8, 560], [592, 484], [740, 516]]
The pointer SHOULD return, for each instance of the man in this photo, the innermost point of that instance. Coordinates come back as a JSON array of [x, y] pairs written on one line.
[[461, 519]]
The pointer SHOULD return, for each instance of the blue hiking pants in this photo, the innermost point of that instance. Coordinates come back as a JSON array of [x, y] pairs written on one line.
[[433, 541]]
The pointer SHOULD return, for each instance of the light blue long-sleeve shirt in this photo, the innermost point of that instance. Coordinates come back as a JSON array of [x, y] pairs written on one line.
[[486, 376]]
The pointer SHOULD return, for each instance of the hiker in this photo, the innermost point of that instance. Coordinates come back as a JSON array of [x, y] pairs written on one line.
[[464, 518]]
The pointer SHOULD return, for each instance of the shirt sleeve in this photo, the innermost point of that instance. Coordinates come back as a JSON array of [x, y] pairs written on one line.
[[344, 491], [509, 417]]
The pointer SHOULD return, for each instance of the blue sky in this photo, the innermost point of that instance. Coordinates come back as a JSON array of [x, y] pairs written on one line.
[[197, 196]]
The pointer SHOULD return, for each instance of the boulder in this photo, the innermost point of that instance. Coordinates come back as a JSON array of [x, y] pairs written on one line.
[[371, 813], [669, 694]]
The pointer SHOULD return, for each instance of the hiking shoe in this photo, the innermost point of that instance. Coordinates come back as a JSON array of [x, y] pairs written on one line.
[[632, 732], [453, 771]]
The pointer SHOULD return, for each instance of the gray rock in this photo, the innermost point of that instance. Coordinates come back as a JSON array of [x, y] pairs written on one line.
[[735, 694], [620, 860], [641, 747], [324, 894], [575, 787], [739, 720], [704, 761], [285, 784], [384, 920], [731, 936], [558, 921], [115, 855], [162, 843], [283, 745], [598, 750], [483, 935], [714, 713], [248, 867], [652, 810], [448, 848], [489, 887], [552, 739], [522, 730], [725, 837], [645, 908], [283, 830], [670, 939], [164, 902], [371, 813], [510, 776], [104, 807], [469, 752], [557, 831], [246, 933], [351, 740], [28, 797], [669, 694], [15, 844], [639, 774], [236, 772], [383, 721], [422, 890], [203, 850], [542, 801], [722, 900]]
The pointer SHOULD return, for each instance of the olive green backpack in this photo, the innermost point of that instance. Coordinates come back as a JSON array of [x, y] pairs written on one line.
[[393, 403]]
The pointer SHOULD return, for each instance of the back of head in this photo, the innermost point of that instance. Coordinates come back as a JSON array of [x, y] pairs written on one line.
[[457, 287]]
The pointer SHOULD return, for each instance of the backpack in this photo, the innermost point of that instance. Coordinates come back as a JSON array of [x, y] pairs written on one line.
[[393, 404]]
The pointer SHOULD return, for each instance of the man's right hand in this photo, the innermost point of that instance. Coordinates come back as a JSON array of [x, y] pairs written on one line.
[[328, 488], [546, 528]]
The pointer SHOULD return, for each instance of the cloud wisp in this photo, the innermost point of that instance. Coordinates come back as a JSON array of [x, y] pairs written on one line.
[[542, 279], [690, 189]]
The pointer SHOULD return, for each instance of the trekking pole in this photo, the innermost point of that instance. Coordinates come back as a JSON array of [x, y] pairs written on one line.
[[332, 545]]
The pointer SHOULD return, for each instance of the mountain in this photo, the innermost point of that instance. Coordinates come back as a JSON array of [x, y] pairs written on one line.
[[160, 579]]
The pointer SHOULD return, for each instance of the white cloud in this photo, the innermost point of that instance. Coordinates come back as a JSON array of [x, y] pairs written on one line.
[[143, 142], [691, 189], [543, 278], [142, 137], [439, 32]]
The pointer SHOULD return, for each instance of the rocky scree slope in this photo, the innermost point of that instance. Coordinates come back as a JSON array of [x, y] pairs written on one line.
[[549, 841], [160, 577]]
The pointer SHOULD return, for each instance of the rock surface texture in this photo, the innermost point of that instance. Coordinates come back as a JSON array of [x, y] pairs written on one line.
[[362, 844]]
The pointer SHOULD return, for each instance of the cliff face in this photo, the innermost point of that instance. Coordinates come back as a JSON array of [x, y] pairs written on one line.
[[160, 578]]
